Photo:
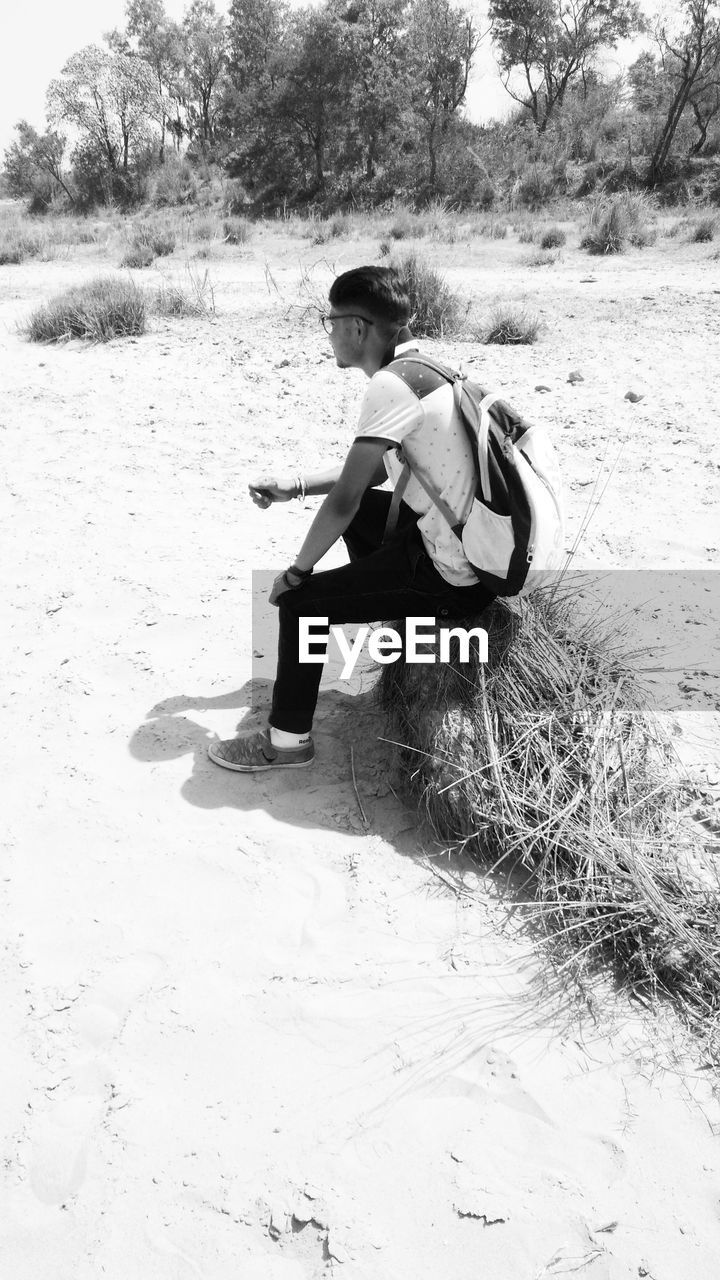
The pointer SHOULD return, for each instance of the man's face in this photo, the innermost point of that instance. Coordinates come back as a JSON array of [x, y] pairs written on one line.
[[347, 332]]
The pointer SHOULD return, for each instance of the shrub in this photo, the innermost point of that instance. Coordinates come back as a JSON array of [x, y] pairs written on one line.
[[103, 309], [436, 309], [384, 249], [138, 256], [340, 225], [402, 229], [545, 761], [703, 231], [174, 183], [623, 177], [197, 300], [204, 229], [615, 223], [509, 326], [16, 245], [235, 200], [553, 238], [485, 195], [236, 230], [535, 188], [589, 179], [544, 258], [159, 240], [526, 235]]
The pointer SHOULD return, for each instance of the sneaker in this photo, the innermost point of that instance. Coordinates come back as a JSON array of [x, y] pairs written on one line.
[[255, 752]]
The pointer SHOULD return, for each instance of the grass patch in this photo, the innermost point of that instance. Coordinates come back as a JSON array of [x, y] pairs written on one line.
[[236, 230], [510, 326], [436, 308], [16, 245], [553, 238], [703, 232], [137, 257], [105, 308], [204, 229], [159, 240], [545, 764], [543, 258], [174, 302], [613, 224]]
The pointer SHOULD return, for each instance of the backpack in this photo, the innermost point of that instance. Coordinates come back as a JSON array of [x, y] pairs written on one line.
[[513, 537]]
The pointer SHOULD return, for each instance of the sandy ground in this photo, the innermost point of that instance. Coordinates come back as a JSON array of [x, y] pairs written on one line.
[[246, 1035]]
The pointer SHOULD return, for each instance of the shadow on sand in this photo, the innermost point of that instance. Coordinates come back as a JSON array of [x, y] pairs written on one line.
[[348, 731]]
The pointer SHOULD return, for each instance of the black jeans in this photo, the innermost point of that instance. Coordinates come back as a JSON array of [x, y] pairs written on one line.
[[384, 581]]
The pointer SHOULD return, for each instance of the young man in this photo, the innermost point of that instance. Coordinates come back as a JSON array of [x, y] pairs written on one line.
[[416, 569]]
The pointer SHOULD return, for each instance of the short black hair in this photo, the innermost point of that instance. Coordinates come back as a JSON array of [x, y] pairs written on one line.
[[380, 291]]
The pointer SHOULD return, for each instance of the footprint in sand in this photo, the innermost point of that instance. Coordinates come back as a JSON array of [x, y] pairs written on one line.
[[61, 1140]]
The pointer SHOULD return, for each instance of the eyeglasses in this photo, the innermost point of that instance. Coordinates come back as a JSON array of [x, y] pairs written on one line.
[[328, 322]]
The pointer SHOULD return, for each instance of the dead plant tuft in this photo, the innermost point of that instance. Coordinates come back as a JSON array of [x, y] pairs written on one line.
[[436, 310], [547, 763], [105, 308]]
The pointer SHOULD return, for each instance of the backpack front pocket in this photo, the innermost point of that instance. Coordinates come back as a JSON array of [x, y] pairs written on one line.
[[488, 540]]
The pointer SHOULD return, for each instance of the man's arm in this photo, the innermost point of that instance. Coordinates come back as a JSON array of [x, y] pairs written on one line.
[[362, 468], [269, 489]]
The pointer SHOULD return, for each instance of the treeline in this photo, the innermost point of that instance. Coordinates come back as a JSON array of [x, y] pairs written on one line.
[[354, 102]]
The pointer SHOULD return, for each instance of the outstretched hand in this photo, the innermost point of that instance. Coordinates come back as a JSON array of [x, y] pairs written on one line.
[[269, 489]]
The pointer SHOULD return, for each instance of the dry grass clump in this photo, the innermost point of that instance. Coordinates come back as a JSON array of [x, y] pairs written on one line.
[[703, 231], [17, 244], [615, 223], [103, 309], [160, 240], [137, 257], [510, 326], [553, 238], [546, 762], [75, 231], [204, 229], [543, 258], [236, 230], [197, 299], [437, 310]]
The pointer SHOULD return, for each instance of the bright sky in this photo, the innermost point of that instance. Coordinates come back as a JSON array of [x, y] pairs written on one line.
[[38, 37]]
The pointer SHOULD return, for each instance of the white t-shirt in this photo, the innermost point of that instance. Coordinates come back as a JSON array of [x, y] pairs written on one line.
[[428, 427]]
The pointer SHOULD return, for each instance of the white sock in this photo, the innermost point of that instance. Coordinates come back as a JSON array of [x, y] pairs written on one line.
[[281, 738]]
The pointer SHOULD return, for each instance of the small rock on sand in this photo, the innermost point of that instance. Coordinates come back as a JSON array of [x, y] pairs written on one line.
[[575, 376], [633, 396]]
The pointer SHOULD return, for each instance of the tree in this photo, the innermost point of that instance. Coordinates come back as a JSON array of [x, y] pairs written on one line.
[[109, 97], [205, 56], [255, 33], [648, 84], [309, 99], [443, 40], [33, 164], [691, 60], [377, 76], [553, 43], [157, 39]]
